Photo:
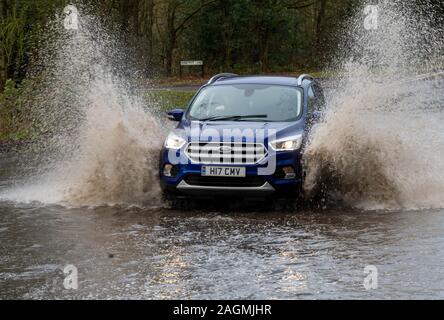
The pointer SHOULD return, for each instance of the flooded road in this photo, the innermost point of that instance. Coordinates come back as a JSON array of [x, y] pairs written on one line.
[[160, 253], [154, 252]]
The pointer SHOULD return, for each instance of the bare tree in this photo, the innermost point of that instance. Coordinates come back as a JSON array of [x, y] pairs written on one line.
[[179, 14]]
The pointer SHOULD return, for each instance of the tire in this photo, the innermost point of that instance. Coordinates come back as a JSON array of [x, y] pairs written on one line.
[[176, 201]]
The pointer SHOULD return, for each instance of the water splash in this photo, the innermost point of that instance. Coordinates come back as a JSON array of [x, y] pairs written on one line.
[[381, 144], [101, 141]]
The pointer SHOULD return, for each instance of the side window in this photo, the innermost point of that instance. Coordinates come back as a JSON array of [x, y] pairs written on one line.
[[316, 99]]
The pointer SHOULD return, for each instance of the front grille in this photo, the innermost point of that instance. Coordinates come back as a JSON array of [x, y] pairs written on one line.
[[226, 152], [248, 181]]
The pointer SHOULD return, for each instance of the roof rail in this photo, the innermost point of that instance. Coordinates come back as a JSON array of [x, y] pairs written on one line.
[[220, 76], [304, 76]]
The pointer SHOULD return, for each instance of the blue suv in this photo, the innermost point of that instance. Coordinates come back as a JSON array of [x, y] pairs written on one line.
[[241, 136]]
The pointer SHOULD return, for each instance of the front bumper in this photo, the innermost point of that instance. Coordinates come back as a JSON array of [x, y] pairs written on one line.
[[183, 186], [187, 179]]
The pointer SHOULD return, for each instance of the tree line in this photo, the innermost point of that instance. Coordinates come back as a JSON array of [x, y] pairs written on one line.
[[229, 35]]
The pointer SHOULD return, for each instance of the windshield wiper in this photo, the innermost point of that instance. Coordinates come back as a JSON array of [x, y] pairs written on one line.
[[234, 118]]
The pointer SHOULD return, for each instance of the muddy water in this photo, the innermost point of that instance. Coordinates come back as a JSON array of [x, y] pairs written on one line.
[[135, 253]]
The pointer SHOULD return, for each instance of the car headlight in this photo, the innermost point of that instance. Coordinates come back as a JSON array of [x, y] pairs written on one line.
[[287, 144], [173, 141]]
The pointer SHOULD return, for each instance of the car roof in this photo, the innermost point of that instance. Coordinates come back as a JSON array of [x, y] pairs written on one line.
[[276, 80]]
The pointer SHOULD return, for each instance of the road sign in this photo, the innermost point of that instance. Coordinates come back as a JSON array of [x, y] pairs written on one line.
[[192, 63]]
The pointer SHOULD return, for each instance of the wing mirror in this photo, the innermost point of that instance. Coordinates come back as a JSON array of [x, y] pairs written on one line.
[[175, 114]]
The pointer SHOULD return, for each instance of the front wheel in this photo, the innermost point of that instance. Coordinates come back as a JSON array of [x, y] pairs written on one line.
[[176, 201]]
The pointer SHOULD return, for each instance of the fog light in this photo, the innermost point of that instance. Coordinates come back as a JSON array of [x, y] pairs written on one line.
[[289, 172], [167, 170]]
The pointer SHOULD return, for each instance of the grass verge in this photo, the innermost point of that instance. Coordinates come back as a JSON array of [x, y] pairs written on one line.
[[170, 99]]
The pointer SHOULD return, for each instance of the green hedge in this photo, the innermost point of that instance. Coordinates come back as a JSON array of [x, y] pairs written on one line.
[[15, 122]]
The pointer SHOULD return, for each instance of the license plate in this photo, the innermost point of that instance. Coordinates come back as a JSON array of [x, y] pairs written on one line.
[[211, 171]]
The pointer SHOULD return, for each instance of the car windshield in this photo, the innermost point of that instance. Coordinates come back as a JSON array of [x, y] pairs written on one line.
[[247, 102]]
